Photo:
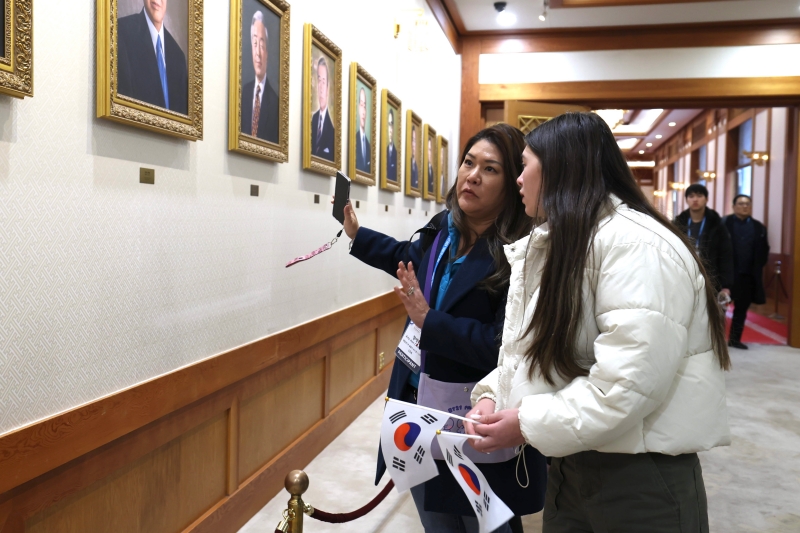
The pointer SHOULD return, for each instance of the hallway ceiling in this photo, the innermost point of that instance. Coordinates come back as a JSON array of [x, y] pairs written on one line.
[[480, 15], [639, 127]]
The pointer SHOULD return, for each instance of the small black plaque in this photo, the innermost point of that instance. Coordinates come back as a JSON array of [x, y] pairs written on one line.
[[147, 175], [253, 190]]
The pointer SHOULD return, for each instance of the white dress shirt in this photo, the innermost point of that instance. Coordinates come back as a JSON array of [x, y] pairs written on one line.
[[154, 35]]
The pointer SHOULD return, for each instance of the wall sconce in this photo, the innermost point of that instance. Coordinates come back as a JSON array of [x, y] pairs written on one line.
[[414, 24], [758, 158], [678, 186], [706, 174], [659, 193]]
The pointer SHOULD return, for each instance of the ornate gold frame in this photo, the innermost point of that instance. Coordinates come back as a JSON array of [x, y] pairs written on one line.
[[441, 196], [242, 142], [357, 72], [16, 66], [312, 36], [412, 119], [427, 133], [388, 98], [134, 112]]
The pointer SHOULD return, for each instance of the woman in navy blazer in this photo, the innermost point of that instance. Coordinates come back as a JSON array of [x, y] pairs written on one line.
[[462, 325]]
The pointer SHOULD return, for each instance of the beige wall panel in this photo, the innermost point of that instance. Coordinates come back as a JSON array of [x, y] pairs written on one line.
[[271, 420], [388, 338], [352, 366], [164, 491]]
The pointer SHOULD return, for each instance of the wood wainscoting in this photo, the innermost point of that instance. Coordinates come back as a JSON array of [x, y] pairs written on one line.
[[203, 448]]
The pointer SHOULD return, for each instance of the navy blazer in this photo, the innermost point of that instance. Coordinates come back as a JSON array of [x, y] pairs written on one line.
[[363, 160], [268, 114], [137, 66], [462, 340], [325, 147]]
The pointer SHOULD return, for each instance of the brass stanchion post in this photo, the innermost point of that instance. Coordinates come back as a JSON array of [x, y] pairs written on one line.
[[297, 484]]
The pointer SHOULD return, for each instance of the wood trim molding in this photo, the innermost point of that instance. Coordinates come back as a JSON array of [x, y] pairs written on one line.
[[41, 447], [703, 92], [556, 4]]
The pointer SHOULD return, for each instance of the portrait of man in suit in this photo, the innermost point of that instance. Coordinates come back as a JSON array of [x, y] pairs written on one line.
[[259, 99], [322, 133], [414, 167], [391, 150], [151, 65], [443, 173], [431, 175], [363, 148]]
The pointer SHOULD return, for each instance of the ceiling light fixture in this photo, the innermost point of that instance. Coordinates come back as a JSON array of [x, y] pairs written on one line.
[[659, 136], [642, 164], [673, 124], [504, 18], [543, 16], [641, 151], [649, 145]]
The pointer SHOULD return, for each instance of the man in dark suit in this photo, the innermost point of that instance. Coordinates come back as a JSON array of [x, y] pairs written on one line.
[[414, 167], [363, 149], [750, 256], [443, 178], [391, 151], [151, 67], [431, 175], [322, 134], [259, 99]]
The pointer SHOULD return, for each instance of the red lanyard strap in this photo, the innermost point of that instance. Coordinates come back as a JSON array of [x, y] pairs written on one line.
[[324, 248]]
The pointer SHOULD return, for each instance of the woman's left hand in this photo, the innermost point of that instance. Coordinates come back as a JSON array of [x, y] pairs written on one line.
[[411, 295], [499, 430]]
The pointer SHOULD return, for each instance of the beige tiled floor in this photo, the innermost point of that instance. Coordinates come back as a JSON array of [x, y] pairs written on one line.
[[752, 485]]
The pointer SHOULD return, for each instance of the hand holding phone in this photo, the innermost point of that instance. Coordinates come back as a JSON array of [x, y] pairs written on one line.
[[342, 196]]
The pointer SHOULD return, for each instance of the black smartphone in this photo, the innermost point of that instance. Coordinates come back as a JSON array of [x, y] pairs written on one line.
[[342, 196]]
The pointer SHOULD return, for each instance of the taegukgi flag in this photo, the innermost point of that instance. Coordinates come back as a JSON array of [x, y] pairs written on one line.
[[490, 510], [406, 435]]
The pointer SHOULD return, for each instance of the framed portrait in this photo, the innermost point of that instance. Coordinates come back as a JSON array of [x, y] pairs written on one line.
[[413, 154], [391, 140], [363, 111], [150, 64], [258, 95], [16, 48], [442, 165], [322, 103], [429, 166]]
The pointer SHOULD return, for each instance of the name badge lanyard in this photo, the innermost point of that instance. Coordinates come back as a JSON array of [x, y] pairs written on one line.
[[432, 268], [700, 232]]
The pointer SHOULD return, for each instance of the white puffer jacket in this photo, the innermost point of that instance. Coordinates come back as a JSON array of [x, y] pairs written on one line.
[[654, 384]]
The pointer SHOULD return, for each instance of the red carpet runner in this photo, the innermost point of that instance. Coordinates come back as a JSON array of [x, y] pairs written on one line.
[[759, 329]]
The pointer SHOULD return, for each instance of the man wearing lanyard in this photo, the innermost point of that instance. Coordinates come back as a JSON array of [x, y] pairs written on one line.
[[705, 229], [750, 253]]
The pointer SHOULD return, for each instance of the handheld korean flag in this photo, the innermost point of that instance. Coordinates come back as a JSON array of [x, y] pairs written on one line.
[[406, 436], [490, 510]]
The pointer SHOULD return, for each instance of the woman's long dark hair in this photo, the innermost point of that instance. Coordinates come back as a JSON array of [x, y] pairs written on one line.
[[511, 224], [581, 166]]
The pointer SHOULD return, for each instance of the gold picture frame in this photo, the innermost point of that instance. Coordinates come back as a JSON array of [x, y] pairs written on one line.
[[16, 54], [442, 164], [159, 104], [361, 167], [429, 173], [268, 136], [391, 152], [413, 154], [322, 132]]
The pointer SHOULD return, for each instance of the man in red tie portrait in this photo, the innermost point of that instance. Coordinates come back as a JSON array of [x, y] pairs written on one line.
[[259, 100], [151, 66]]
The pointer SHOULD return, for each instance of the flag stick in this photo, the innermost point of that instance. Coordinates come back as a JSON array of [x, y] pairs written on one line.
[[462, 435], [431, 409]]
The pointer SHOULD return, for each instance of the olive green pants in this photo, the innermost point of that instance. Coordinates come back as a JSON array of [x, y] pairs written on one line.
[[625, 493]]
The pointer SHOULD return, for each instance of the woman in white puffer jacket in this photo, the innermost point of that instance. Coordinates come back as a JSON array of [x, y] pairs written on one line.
[[613, 346]]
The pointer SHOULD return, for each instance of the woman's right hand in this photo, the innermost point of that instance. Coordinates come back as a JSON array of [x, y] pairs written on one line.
[[483, 407], [350, 220]]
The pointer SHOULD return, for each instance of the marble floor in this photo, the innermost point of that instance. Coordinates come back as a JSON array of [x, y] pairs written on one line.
[[753, 485]]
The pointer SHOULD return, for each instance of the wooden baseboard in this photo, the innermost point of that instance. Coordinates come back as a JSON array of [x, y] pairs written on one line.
[[187, 451]]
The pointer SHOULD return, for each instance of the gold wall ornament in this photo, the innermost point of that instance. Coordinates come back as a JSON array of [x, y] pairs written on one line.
[[271, 139], [361, 79], [390, 101], [414, 140], [443, 174], [113, 105], [320, 153], [16, 61], [430, 187], [758, 158], [706, 174]]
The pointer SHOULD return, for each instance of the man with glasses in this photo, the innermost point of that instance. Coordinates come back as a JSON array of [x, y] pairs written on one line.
[[750, 255]]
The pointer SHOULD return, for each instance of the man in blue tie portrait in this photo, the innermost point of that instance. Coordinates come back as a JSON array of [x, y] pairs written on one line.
[[322, 132], [391, 151], [363, 148], [151, 66]]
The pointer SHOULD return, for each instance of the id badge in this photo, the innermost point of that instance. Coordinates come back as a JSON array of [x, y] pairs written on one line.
[[408, 350]]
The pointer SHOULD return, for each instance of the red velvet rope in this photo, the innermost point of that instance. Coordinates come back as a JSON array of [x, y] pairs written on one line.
[[338, 518]]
